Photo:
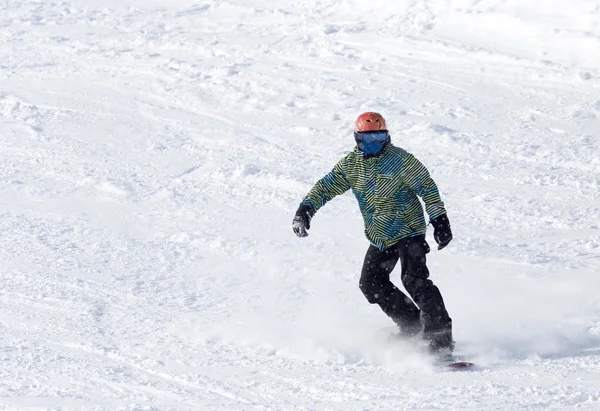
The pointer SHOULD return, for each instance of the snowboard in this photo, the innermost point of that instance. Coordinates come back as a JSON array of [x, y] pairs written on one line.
[[460, 365], [454, 364], [450, 362]]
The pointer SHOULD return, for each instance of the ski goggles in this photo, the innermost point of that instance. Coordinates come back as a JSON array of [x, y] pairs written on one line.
[[371, 137]]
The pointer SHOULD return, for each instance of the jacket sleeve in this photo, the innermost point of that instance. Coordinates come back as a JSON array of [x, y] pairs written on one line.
[[417, 178], [333, 184]]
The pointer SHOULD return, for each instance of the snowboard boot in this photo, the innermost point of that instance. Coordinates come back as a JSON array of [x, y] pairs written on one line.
[[440, 344], [408, 331]]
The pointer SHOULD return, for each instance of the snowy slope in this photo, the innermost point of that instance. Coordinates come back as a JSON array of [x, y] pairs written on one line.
[[153, 152]]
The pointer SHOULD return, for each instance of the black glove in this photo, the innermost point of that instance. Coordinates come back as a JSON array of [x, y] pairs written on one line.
[[441, 231], [302, 218]]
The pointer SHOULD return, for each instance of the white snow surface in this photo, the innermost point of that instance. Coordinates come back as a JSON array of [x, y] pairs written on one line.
[[153, 153]]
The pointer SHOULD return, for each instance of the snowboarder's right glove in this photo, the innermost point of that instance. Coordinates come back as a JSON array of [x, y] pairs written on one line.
[[302, 218], [441, 231]]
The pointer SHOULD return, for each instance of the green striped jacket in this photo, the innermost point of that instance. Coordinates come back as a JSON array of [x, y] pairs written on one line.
[[386, 187]]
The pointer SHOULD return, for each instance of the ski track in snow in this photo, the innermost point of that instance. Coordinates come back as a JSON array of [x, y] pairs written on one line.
[[152, 154]]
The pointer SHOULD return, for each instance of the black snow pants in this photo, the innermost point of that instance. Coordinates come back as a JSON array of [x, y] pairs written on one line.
[[429, 314]]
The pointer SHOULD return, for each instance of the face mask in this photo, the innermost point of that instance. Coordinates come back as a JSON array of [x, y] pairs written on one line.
[[371, 142]]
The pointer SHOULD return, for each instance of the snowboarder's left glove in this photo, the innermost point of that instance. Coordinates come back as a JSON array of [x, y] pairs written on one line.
[[302, 218], [441, 231]]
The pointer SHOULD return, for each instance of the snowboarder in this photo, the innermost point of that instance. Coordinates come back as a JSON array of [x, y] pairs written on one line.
[[386, 181]]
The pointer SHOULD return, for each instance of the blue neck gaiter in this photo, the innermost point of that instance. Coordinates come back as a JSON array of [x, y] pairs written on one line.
[[372, 144]]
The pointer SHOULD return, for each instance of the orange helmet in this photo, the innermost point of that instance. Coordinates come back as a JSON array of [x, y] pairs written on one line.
[[369, 121]]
